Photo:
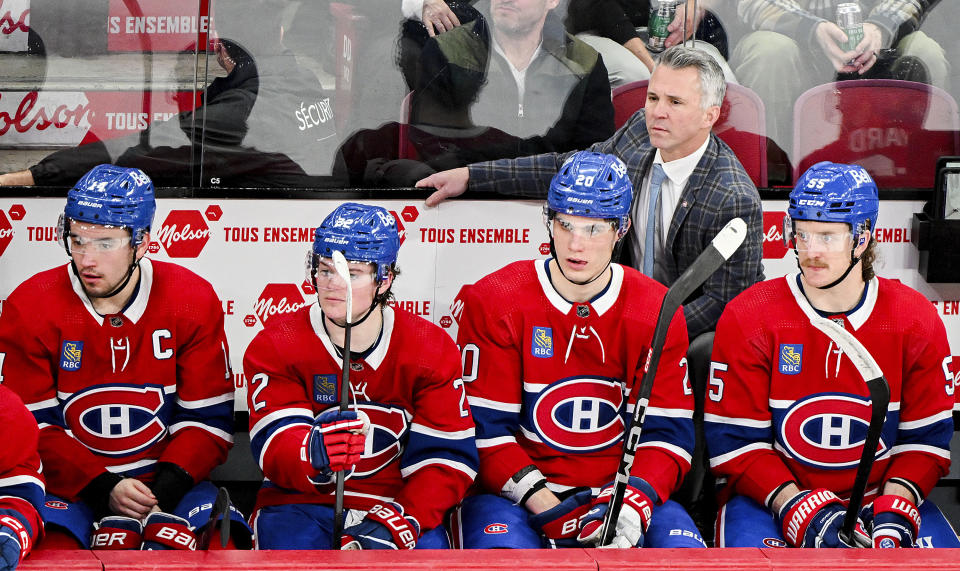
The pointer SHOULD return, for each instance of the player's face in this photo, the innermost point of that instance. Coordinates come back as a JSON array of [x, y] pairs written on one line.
[[823, 250], [520, 17], [675, 120], [102, 255], [332, 289], [583, 245]]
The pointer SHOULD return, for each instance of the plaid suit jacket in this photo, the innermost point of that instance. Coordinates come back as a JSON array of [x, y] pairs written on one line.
[[718, 191]]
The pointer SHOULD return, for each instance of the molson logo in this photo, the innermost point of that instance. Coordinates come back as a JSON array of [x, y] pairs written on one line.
[[773, 246], [278, 299], [183, 234], [6, 232], [31, 115]]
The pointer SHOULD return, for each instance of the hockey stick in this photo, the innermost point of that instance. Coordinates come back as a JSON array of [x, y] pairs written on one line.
[[340, 264], [220, 511], [723, 245], [880, 400]]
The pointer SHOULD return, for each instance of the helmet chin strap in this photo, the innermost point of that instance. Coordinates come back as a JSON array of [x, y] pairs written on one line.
[[853, 262], [134, 264]]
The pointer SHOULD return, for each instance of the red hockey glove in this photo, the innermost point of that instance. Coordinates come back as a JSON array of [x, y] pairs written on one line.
[[117, 532], [384, 527], [814, 519], [896, 522], [14, 541], [167, 531], [562, 521], [334, 443], [638, 502]]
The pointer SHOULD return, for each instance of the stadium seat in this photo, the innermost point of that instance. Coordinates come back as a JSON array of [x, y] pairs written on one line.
[[741, 124], [894, 129]]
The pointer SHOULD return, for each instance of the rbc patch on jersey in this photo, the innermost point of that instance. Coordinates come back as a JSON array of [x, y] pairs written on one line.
[[71, 355], [542, 343], [791, 357], [325, 389]]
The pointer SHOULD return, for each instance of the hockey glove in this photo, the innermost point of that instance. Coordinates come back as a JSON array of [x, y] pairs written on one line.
[[384, 527], [896, 522], [117, 532], [561, 523], [14, 542], [814, 519], [638, 502], [167, 531], [334, 443]]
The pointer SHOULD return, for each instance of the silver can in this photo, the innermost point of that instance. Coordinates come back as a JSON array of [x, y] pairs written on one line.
[[661, 14], [850, 20]]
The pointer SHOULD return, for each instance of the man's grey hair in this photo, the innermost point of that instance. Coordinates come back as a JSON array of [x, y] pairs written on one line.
[[713, 86]]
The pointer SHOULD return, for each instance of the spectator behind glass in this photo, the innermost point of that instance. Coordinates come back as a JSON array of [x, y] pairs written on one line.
[[610, 27], [797, 44], [268, 122]]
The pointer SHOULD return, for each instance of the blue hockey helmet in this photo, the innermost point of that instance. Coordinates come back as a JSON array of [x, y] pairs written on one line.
[[112, 196], [363, 233], [832, 192], [593, 185]]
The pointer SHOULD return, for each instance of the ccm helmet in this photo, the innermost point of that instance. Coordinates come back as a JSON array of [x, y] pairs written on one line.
[[111, 196], [593, 185], [831, 192], [363, 233]]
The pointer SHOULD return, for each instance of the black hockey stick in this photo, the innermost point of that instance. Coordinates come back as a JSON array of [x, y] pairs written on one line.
[[723, 245], [340, 264], [880, 400], [219, 512]]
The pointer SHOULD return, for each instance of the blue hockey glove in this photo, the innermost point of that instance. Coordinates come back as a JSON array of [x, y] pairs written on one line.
[[562, 522], [166, 531], [813, 518], [638, 501], [116, 532], [384, 527], [895, 522], [334, 443], [14, 542]]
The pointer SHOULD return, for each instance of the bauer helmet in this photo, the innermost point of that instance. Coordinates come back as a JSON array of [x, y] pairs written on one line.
[[593, 185], [111, 196], [363, 233]]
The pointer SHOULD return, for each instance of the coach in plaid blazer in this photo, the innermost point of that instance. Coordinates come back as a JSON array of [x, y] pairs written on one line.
[[717, 190]]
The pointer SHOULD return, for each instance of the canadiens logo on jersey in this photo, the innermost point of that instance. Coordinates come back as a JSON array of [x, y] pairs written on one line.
[[791, 359], [325, 389], [542, 343], [384, 443], [98, 420], [579, 414], [71, 355], [827, 430]]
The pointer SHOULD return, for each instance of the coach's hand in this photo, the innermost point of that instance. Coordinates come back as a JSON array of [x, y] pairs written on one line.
[[448, 183]]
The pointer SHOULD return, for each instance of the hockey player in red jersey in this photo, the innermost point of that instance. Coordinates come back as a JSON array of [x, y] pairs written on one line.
[[553, 353], [407, 443], [21, 484], [787, 412], [123, 362]]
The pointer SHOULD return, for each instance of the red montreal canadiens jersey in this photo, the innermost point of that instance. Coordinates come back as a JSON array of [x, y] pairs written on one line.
[[420, 450], [554, 382], [784, 403], [124, 391], [21, 484]]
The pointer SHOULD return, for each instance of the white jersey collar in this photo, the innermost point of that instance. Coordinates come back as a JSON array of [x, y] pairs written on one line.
[[135, 309], [856, 317], [601, 304], [379, 352]]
